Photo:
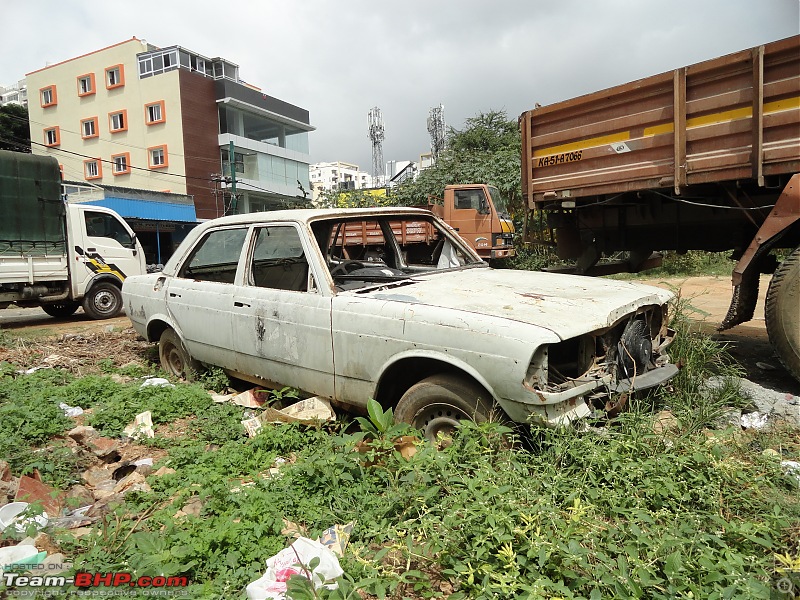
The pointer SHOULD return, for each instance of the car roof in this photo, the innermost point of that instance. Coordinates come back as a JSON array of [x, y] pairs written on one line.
[[306, 215], [301, 215]]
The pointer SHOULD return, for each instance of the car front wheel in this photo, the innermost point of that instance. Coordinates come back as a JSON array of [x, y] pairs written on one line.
[[438, 404], [175, 360]]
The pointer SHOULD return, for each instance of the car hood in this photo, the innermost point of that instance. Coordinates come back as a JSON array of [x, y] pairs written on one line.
[[567, 305]]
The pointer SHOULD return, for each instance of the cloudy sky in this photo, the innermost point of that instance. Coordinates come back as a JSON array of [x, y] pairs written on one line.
[[339, 59]]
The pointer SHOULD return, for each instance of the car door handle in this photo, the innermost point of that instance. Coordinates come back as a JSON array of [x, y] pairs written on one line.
[[240, 304], [91, 249], [174, 295]]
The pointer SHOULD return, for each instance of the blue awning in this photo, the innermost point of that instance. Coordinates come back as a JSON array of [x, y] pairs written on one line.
[[149, 210]]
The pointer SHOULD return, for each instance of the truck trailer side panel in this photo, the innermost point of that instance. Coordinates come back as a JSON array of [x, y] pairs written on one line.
[[695, 125]]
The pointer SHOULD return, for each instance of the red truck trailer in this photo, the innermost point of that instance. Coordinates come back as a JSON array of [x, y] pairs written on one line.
[[705, 157]]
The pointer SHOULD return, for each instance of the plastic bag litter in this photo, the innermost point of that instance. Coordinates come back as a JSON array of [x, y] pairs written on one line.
[[754, 420], [70, 411], [308, 412], [20, 558], [156, 382], [294, 560]]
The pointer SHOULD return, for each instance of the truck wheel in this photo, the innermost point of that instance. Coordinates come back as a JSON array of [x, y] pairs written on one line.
[[437, 404], [103, 301], [60, 310], [175, 359], [782, 312]]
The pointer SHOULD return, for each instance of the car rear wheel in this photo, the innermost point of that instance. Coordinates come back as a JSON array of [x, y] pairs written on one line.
[[438, 404], [175, 360], [103, 301], [60, 310]]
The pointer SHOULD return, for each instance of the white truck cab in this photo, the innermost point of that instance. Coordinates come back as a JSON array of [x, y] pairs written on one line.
[[103, 251]]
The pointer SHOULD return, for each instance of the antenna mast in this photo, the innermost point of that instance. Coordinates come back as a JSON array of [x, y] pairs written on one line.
[[376, 135], [436, 130]]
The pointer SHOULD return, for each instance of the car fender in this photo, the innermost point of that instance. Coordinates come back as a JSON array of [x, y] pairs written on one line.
[[433, 356]]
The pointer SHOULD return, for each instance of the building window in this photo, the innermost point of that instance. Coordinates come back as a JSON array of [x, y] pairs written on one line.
[[89, 128], [158, 62], [154, 113], [122, 163], [115, 77], [52, 136], [86, 85], [92, 169], [157, 157], [47, 95], [118, 121]]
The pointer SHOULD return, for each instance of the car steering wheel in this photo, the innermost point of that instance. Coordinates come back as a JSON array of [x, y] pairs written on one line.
[[348, 266]]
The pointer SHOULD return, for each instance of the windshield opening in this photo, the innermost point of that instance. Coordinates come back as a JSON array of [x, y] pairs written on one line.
[[366, 251]]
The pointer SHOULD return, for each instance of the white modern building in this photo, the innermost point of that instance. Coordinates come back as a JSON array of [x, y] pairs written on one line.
[[16, 93], [338, 175]]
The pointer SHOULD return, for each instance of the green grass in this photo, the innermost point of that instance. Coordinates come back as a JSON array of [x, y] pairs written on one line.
[[613, 512]]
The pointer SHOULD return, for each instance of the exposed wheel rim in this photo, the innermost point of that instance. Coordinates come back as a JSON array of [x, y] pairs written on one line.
[[174, 360], [439, 419], [104, 302]]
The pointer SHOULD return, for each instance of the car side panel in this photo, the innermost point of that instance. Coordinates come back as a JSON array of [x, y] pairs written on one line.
[[370, 334], [284, 337]]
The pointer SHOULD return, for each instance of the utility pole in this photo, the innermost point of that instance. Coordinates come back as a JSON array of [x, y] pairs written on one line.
[[232, 164]]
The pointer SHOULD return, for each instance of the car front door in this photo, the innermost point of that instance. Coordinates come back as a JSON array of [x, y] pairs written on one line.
[[200, 297], [281, 320]]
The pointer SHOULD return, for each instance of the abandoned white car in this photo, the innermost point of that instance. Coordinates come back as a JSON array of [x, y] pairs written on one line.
[[391, 304]]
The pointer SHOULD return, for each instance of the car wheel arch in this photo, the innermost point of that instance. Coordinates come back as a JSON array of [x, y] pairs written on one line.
[[156, 326], [395, 380]]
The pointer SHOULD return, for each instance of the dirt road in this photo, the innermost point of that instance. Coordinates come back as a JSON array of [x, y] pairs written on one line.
[[710, 296], [747, 343]]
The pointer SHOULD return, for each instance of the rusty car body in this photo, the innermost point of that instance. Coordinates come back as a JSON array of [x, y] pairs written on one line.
[[299, 298]]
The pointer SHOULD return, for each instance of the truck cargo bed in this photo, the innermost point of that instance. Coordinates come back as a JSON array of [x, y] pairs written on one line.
[[730, 118]]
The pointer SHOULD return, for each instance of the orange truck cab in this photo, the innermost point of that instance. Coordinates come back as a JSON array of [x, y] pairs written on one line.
[[480, 216]]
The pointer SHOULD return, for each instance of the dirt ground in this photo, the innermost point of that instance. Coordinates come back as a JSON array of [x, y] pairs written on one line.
[[747, 343], [709, 295]]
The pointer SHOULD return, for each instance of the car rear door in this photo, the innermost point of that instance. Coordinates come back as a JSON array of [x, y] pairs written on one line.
[[281, 319]]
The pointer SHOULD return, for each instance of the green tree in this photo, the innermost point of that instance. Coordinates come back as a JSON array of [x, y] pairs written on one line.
[[362, 198], [14, 131], [486, 150]]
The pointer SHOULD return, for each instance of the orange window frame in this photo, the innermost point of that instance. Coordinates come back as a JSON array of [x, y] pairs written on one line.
[[53, 96], [57, 131], [150, 164], [96, 128], [127, 170], [124, 113], [99, 163], [163, 118], [91, 84], [121, 68]]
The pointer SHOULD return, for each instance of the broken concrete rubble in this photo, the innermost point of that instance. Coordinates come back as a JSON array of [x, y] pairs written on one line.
[[142, 426], [778, 406], [32, 490]]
